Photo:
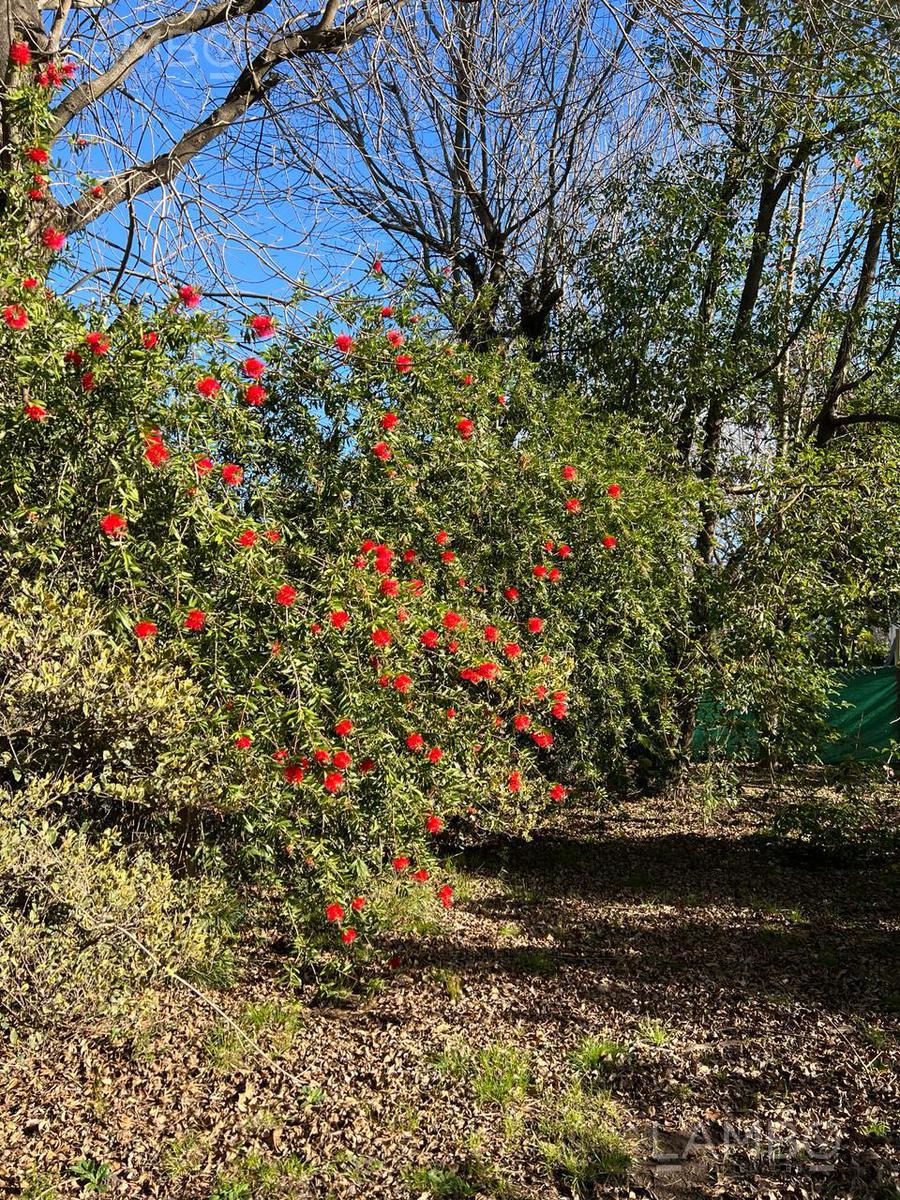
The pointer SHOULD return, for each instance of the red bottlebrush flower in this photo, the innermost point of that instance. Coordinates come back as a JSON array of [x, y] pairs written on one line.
[[381, 638], [559, 710], [29, 283], [395, 337], [514, 783], [73, 357], [19, 54], [35, 412], [573, 505], [613, 490], [368, 546], [321, 757], [540, 691], [465, 428], [272, 535], [430, 639], [415, 742], [451, 714], [15, 316], [554, 574], [557, 792], [253, 368], [208, 385], [548, 546], [88, 381], [382, 450], [487, 670], [539, 571], [420, 876], [442, 537], [409, 556], [376, 266], [564, 551], [452, 646], [97, 342], [53, 239], [189, 296], [69, 69], [344, 343], [334, 912], [511, 594], [35, 193], [280, 755], [348, 936], [569, 473], [452, 620], [416, 586], [37, 154], [247, 538], [403, 363], [150, 339], [203, 466], [113, 525], [609, 542], [400, 863], [435, 754], [384, 680], [343, 727], [342, 760], [195, 620], [542, 740], [383, 563], [402, 614], [388, 421], [262, 325], [145, 629], [367, 765], [359, 562], [491, 633], [339, 618], [97, 190], [445, 895], [448, 556], [535, 624], [512, 649], [433, 824], [358, 903], [387, 311], [286, 595], [521, 722], [275, 648], [402, 683], [154, 450], [232, 474], [255, 394], [293, 772], [333, 782], [501, 400], [243, 742], [389, 587]]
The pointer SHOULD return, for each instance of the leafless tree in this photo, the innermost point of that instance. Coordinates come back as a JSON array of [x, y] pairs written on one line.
[[156, 86], [473, 143]]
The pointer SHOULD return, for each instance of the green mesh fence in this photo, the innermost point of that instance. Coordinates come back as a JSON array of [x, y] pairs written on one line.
[[864, 715]]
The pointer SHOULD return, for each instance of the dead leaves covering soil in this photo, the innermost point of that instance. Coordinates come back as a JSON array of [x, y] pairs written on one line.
[[755, 999]]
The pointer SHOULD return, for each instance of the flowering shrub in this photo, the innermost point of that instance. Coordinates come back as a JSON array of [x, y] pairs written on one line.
[[364, 570]]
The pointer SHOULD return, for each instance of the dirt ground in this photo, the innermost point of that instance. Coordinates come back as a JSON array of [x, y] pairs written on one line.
[[742, 1004]]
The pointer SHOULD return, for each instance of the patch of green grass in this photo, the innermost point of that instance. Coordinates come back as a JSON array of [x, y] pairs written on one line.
[[654, 1033], [877, 1129], [596, 1056], [509, 930], [533, 961], [183, 1155], [580, 1141], [450, 981], [272, 1026], [439, 1182], [252, 1176], [497, 1074], [873, 1034], [40, 1186]]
